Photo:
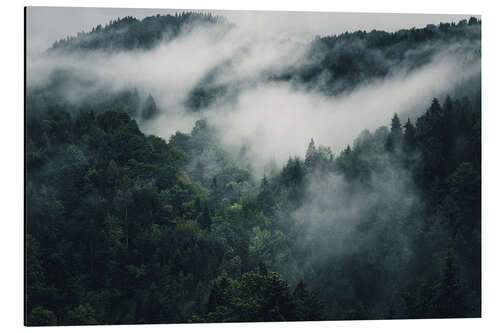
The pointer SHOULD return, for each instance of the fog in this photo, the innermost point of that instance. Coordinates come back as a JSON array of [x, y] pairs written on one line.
[[275, 120], [354, 227], [334, 209]]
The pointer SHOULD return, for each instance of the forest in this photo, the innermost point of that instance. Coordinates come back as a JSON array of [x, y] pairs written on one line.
[[124, 226]]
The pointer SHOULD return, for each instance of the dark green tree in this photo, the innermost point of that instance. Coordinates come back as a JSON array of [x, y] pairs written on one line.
[[396, 130], [150, 109], [409, 141]]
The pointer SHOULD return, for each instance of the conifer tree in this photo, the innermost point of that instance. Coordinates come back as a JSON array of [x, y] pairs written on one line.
[[409, 141]]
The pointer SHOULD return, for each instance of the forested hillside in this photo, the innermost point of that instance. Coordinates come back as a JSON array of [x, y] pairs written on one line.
[[341, 63], [124, 227], [347, 60], [129, 33]]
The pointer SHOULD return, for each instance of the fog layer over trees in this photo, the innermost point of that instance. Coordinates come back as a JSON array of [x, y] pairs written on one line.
[[183, 169]]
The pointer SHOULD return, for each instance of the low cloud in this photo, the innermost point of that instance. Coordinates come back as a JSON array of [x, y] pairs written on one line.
[[275, 120]]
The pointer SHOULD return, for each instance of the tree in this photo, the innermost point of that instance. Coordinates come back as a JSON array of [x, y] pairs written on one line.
[[219, 295], [306, 304], [450, 299], [265, 196], [293, 172], [311, 158], [293, 177], [429, 136], [205, 220], [150, 109], [473, 21], [409, 141], [396, 131]]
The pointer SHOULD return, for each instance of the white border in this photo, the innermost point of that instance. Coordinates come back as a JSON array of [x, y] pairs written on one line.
[[11, 236]]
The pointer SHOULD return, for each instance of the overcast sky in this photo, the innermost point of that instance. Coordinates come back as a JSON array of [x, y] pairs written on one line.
[[47, 24]]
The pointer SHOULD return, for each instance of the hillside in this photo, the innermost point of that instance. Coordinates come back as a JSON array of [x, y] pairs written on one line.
[[129, 33], [125, 225]]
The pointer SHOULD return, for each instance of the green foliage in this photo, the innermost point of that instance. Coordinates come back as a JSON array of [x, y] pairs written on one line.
[[41, 317], [347, 60], [82, 315], [144, 236], [259, 297], [130, 33], [127, 228]]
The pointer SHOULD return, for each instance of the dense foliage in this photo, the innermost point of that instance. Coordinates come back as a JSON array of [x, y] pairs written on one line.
[[345, 61], [130, 33], [119, 233], [123, 227], [122, 230]]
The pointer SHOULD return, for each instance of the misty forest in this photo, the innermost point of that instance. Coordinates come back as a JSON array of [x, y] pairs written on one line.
[[182, 169]]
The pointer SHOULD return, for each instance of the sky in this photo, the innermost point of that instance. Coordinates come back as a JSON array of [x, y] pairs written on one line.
[[48, 24]]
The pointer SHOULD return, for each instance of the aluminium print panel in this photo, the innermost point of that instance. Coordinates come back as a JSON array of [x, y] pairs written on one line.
[[187, 166]]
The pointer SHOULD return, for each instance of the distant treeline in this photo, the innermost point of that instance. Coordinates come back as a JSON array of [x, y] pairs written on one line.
[[344, 61], [130, 33], [338, 64], [333, 64]]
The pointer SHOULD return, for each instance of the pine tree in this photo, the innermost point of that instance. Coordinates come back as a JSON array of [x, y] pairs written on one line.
[[311, 155], [409, 141], [264, 197], [396, 131], [150, 109]]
